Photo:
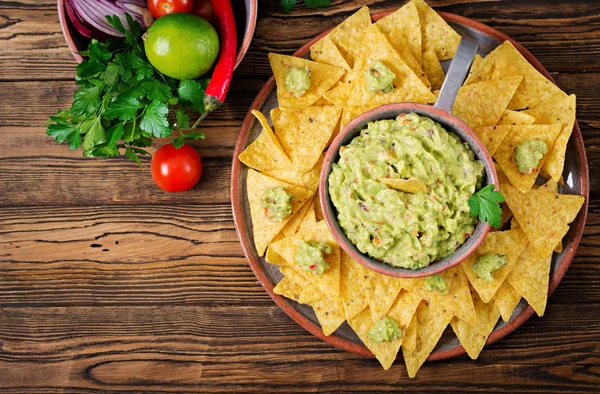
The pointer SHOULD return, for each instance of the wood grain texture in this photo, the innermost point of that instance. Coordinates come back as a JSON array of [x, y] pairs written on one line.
[[107, 284]]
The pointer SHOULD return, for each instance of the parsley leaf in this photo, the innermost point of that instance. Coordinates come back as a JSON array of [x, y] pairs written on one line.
[[86, 100], [95, 135], [191, 93], [194, 135], [155, 120], [123, 108], [486, 204], [288, 5]]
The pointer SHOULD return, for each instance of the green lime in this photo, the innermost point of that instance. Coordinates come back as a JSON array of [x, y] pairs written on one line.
[[182, 46]]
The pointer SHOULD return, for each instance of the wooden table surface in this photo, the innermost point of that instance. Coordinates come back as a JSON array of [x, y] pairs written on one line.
[[109, 284]]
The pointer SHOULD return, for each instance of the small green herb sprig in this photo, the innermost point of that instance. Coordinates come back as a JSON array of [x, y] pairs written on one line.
[[288, 5], [122, 103], [486, 204]]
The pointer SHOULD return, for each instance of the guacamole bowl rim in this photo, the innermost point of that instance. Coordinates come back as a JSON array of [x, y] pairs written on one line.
[[390, 111]]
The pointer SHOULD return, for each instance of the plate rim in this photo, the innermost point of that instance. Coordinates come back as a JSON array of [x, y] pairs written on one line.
[[344, 344]]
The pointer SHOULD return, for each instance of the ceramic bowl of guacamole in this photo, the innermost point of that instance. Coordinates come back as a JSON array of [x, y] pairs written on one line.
[[396, 182]]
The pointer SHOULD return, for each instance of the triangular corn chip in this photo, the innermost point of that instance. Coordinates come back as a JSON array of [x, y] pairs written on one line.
[[514, 118], [309, 219], [506, 300], [492, 136], [409, 343], [505, 154], [350, 113], [263, 228], [483, 103], [437, 34], [407, 85], [288, 289], [273, 258], [341, 91], [325, 51], [310, 294], [290, 175], [535, 90], [433, 69], [266, 152], [348, 35], [432, 320], [480, 70], [504, 243], [473, 337], [396, 38], [322, 77], [318, 209], [562, 112], [458, 300], [411, 185], [544, 216], [404, 22], [381, 291], [330, 314], [304, 133], [530, 278], [351, 274]]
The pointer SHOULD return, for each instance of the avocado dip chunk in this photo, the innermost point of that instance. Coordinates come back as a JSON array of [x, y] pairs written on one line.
[[386, 329], [436, 283], [277, 203], [379, 78], [297, 81], [310, 256], [529, 153], [488, 263], [405, 229]]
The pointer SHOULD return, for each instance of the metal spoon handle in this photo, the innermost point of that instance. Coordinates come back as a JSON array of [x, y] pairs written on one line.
[[463, 58]]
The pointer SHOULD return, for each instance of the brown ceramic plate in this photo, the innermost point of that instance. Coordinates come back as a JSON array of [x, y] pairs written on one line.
[[576, 182]]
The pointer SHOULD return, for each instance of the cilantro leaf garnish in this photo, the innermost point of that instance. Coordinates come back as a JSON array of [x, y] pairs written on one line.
[[486, 204], [123, 102], [288, 5]]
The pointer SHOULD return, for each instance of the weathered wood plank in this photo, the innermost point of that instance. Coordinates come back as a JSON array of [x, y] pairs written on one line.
[[203, 349]]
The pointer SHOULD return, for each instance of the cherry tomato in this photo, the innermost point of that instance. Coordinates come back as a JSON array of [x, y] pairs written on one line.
[[176, 170], [160, 8], [203, 8]]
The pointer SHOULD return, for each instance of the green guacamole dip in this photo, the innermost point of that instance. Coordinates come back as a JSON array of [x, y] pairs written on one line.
[[379, 78], [488, 263], [408, 230], [297, 81], [277, 204], [386, 329], [310, 256], [436, 283], [528, 155]]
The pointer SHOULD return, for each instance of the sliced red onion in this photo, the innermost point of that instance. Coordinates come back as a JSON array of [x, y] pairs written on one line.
[[89, 16]]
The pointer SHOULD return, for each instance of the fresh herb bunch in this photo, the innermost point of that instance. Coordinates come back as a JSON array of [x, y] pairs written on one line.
[[288, 5], [122, 102], [486, 204]]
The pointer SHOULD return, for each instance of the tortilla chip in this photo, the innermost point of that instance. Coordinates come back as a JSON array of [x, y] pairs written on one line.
[[329, 282], [504, 243], [407, 85], [432, 320], [458, 300], [483, 103], [288, 289], [304, 133], [502, 178], [273, 258], [535, 90], [381, 291], [309, 219], [480, 71], [411, 185], [293, 224], [351, 274], [506, 300], [322, 77], [318, 209], [264, 229], [530, 278], [505, 154], [544, 216], [340, 92], [404, 22], [562, 112], [290, 175], [492, 136], [473, 337], [433, 69], [506, 215], [348, 35], [325, 51], [550, 187], [399, 43], [310, 294], [350, 113], [409, 343], [330, 314], [295, 274], [265, 153], [402, 312], [516, 118], [437, 34]]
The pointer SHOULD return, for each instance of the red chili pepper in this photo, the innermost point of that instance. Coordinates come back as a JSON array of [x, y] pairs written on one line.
[[221, 78]]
